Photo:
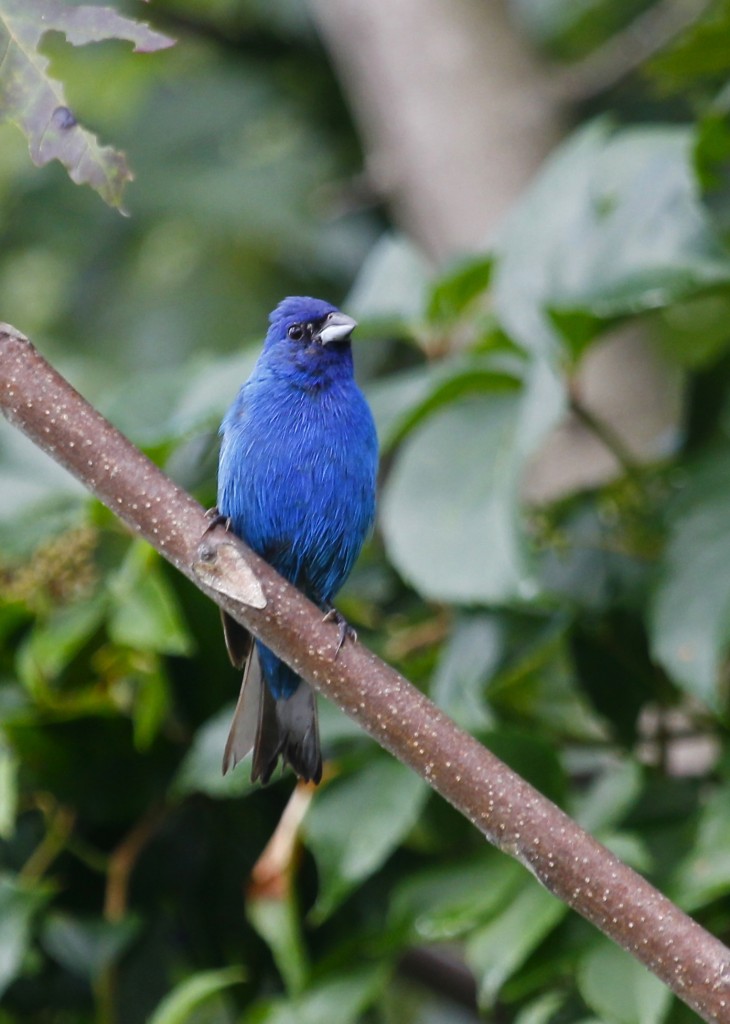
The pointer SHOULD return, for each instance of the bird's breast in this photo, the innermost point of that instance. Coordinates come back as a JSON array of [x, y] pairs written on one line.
[[298, 479]]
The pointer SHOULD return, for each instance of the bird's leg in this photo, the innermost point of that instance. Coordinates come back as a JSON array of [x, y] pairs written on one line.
[[345, 630], [216, 519]]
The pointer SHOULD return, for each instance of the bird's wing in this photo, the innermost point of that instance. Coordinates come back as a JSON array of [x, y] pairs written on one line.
[[239, 641], [245, 724]]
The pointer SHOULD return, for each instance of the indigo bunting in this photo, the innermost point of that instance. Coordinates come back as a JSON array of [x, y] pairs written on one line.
[[296, 481]]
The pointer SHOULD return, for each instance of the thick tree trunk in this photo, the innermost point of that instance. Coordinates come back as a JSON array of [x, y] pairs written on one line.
[[455, 111]]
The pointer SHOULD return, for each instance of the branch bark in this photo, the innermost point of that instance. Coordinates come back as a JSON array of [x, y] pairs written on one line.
[[510, 813]]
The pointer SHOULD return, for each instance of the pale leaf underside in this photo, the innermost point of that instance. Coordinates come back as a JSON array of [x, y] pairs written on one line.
[[36, 103]]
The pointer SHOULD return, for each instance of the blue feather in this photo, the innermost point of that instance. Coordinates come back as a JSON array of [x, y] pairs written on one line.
[[297, 468]]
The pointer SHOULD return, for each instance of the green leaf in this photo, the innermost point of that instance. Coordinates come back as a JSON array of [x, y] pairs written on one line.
[[151, 704], [392, 285], [200, 770], [88, 947], [18, 905], [535, 679], [689, 619], [277, 922], [607, 800], [696, 333], [36, 103], [144, 611], [165, 405], [704, 874], [712, 148], [340, 999], [402, 401], [467, 661], [496, 951], [542, 1011], [8, 790], [613, 225], [354, 825], [439, 904], [620, 989], [54, 643], [450, 511], [393, 399], [34, 490], [573, 27], [450, 382], [179, 1005], [458, 288], [699, 56], [594, 560], [447, 509]]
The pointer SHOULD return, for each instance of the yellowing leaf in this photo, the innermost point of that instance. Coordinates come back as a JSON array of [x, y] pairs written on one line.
[[36, 103]]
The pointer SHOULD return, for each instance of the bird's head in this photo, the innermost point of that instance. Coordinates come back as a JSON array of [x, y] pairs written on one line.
[[310, 334]]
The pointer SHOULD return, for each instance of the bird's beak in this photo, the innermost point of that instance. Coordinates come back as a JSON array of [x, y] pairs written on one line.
[[336, 327]]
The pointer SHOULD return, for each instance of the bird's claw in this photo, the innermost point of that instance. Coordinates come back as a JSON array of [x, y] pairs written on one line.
[[344, 630], [216, 519]]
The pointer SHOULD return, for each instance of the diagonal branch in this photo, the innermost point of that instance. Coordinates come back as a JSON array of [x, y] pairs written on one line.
[[624, 53], [510, 813]]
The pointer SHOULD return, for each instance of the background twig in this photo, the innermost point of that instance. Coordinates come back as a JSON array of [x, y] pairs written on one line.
[[625, 52]]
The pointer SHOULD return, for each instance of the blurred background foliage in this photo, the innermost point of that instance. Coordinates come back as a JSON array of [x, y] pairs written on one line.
[[583, 636]]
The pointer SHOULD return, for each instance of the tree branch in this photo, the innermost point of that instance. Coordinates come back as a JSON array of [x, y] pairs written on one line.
[[510, 813], [626, 51]]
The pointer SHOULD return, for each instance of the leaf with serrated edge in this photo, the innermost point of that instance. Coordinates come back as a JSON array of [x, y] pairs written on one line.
[[36, 103]]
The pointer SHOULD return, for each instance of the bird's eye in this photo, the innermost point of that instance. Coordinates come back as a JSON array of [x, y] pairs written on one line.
[[295, 332]]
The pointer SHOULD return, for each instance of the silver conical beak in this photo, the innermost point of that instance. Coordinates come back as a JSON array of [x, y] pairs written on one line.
[[337, 327]]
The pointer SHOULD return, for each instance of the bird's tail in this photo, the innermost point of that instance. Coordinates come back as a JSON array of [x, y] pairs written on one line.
[[273, 728]]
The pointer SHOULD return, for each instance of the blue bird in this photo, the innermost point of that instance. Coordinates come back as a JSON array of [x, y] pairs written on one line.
[[296, 481]]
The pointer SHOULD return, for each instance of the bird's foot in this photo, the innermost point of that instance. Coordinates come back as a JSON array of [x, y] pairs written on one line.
[[216, 519], [345, 630]]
